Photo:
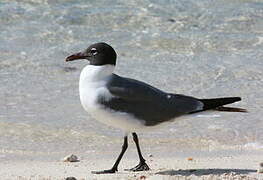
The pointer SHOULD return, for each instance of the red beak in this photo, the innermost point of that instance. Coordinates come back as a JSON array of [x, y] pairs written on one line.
[[79, 55]]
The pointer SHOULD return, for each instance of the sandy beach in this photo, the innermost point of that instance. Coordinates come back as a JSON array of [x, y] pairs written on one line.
[[191, 165]]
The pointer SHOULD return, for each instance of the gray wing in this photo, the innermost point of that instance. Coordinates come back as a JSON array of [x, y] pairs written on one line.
[[146, 102]]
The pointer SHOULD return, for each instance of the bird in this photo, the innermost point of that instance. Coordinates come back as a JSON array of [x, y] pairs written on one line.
[[132, 105]]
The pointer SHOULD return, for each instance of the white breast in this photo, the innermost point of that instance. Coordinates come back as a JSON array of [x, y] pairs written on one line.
[[93, 80], [92, 83]]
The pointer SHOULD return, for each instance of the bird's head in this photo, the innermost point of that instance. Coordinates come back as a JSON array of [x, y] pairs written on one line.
[[97, 54]]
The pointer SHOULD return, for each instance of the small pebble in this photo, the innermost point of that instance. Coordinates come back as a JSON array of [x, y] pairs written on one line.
[[142, 177], [171, 20], [71, 158], [189, 159], [150, 155], [70, 178]]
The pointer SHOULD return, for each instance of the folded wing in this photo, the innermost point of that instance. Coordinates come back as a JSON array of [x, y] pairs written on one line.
[[146, 102]]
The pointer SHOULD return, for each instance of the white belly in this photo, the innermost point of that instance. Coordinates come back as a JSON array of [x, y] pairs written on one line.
[[109, 117]]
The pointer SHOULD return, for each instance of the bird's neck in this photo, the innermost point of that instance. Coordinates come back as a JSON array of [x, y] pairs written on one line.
[[91, 73]]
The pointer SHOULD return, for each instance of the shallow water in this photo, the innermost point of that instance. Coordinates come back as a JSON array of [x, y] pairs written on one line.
[[199, 48]]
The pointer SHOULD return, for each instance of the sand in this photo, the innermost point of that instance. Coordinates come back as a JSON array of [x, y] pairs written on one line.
[[196, 165]]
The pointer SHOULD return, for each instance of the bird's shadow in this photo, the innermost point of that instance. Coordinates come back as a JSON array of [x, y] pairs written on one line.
[[200, 172]]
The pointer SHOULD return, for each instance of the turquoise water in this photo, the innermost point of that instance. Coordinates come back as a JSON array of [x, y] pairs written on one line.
[[200, 48]]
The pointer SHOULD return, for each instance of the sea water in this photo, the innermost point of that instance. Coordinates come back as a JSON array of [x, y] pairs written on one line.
[[202, 48]]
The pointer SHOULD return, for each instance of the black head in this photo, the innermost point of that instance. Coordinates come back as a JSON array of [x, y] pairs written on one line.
[[98, 54]]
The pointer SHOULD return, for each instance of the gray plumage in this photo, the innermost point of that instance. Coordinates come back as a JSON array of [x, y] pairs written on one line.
[[146, 102]]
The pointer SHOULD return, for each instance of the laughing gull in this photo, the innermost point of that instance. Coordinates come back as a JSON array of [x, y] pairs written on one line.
[[129, 104]]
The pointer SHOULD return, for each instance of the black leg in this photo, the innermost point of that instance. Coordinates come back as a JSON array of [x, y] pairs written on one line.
[[142, 166], [115, 166]]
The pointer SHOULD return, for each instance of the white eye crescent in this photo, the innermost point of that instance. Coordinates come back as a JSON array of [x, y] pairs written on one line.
[[94, 51]]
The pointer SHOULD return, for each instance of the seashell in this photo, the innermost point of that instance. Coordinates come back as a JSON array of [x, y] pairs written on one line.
[[71, 158]]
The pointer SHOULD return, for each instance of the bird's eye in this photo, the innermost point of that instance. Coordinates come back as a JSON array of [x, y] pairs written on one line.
[[94, 51]]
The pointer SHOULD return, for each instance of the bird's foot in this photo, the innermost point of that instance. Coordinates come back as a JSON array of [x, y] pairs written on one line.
[[109, 171], [142, 166]]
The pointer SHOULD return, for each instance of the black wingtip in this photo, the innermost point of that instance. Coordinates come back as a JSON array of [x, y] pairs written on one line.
[[230, 109], [217, 102], [238, 98], [234, 99]]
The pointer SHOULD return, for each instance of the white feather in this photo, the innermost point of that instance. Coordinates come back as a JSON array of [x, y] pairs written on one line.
[[92, 83]]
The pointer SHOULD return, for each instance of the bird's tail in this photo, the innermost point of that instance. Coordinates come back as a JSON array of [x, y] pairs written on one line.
[[230, 109], [217, 104]]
